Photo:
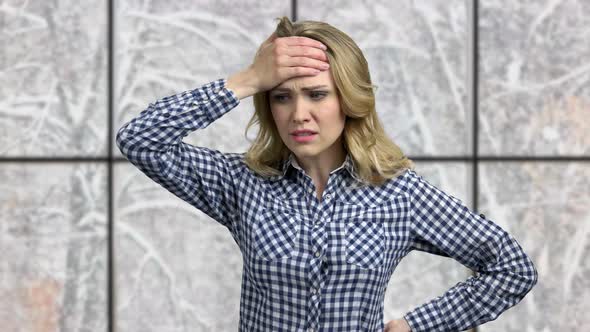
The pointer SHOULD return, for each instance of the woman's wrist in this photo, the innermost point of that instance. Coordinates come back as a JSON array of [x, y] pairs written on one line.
[[243, 83], [406, 325]]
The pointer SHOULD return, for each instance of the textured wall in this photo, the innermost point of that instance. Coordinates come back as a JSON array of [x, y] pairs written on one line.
[[177, 270], [535, 100]]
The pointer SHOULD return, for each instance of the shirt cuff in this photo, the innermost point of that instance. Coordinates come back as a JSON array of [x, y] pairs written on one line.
[[426, 318], [220, 99]]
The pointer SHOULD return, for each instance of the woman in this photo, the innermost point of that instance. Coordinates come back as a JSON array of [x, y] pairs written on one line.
[[323, 205]]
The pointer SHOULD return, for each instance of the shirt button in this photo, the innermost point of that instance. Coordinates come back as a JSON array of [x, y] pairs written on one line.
[[317, 254], [206, 98], [328, 196], [482, 215], [311, 329], [216, 90]]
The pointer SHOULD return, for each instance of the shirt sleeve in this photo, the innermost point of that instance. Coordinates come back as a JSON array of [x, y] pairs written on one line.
[[152, 142], [443, 225]]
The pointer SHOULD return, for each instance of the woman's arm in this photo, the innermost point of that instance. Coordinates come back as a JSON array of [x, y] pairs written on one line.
[[201, 176], [441, 223], [152, 142]]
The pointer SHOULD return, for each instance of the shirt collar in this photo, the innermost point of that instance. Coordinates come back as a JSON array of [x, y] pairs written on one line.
[[348, 165]]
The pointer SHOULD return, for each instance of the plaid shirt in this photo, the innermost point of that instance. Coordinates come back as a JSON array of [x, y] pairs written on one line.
[[324, 265]]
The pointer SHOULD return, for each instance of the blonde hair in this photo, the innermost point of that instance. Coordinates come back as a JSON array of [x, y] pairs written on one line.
[[376, 157]]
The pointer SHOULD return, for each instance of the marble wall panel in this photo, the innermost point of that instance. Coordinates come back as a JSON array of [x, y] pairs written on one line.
[[164, 47], [417, 55], [53, 67], [176, 268], [53, 240], [181, 270], [534, 77], [545, 206]]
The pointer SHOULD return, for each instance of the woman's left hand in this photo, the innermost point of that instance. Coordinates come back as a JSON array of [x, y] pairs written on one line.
[[397, 325]]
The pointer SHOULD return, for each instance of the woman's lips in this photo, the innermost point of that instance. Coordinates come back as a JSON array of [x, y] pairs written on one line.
[[303, 139]]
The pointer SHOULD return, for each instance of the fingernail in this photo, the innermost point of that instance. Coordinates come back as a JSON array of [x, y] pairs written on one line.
[[324, 47]]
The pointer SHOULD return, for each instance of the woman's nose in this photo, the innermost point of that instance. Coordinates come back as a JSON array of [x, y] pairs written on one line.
[[301, 110]]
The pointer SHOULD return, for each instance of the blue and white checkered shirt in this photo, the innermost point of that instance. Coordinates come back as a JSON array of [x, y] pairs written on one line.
[[323, 265]]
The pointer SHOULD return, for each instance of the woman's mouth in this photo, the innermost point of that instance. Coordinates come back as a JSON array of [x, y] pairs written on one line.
[[304, 138]]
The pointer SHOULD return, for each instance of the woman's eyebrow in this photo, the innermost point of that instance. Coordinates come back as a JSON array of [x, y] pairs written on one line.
[[307, 88]]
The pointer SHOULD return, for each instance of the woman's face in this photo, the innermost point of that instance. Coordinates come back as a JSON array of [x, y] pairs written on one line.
[[309, 102]]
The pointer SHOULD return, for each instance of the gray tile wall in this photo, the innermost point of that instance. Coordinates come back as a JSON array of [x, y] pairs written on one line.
[[177, 270], [53, 96]]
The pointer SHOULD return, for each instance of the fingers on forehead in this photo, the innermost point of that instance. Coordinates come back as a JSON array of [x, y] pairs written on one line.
[[304, 41]]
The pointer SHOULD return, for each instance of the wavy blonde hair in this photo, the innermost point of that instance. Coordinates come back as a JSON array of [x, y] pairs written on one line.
[[376, 157]]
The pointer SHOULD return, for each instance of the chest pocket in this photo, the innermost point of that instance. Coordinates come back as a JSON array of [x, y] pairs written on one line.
[[275, 233], [365, 243], [366, 227], [376, 230]]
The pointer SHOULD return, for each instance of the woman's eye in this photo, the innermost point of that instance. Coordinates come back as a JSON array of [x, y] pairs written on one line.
[[314, 95], [278, 97], [318, 94]]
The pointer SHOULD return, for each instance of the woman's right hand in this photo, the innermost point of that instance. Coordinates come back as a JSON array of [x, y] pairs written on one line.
[[277, 60]]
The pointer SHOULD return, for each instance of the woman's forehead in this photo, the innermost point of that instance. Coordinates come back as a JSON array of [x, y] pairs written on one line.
[[306, 82]]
